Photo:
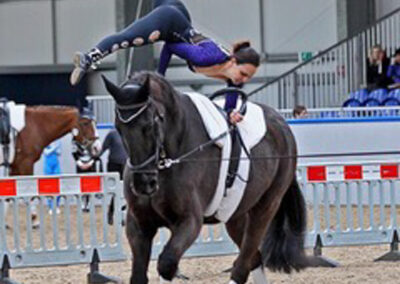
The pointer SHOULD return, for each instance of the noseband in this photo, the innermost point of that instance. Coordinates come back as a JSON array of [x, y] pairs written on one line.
[[158, 159], [87, 142]]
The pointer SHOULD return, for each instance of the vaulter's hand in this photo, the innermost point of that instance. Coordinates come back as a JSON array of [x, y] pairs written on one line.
[[235, 117]]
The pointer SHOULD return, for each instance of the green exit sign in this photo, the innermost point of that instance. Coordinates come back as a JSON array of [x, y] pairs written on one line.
[[305, 55]]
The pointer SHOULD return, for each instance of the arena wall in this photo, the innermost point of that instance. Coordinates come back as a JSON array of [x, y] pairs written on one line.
[[312, 137]]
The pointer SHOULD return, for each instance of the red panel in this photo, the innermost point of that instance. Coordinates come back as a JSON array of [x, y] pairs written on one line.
[[8, 187], [316, 173], [353, 172], [90, 184], [49, 186], [389, 171]]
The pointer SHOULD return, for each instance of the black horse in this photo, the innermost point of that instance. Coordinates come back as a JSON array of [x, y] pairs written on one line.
[[158, 123]]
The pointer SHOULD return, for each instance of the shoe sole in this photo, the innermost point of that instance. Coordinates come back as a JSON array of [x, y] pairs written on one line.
[[78, 72]]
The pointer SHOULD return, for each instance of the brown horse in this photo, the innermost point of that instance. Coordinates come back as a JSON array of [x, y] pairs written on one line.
[[44, 124]]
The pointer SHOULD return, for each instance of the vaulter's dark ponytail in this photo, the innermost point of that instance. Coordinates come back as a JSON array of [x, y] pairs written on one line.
[[245, 54]]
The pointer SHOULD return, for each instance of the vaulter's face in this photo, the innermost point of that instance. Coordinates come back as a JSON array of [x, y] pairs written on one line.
[[242, 73]]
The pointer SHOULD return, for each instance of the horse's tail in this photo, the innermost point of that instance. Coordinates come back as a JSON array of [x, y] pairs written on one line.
[[283, 246]]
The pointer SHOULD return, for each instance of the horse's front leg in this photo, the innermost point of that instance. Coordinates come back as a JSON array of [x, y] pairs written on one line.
[[140, 239], [183, 234]]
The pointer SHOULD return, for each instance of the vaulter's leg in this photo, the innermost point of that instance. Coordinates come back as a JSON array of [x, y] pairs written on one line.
[[165, 23], [183, 235], [140, 239]]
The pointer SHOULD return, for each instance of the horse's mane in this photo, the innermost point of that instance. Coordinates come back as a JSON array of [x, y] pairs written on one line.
[[162, 90]]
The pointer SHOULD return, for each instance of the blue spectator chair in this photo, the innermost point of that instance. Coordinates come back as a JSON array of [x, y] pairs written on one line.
[[352, 103], [380, 95], [371, 102], [392, 97], [361, 95], [392, 102]]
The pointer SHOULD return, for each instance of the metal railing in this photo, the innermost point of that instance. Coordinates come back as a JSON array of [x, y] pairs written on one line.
[[103, 107], [327, 79], [353, 205], [71, 237], [348, 112], [347, 205]]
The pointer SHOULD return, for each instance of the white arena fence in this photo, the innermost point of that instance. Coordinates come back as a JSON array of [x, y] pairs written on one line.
[[347, 205], [352, 205], [348, 112], [103, 107], [71, 237]]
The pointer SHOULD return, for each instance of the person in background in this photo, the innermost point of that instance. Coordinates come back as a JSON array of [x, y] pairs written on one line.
[[300, 112], [394, 70], [52, 155], [85, 163], [377, 68], [117, 155]]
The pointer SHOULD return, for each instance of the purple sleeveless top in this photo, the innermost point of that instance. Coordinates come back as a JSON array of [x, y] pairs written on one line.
[[203, 54]]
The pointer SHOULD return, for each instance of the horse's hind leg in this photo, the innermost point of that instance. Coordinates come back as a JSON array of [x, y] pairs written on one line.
[[183, 235], [140, 240], [235, 228]]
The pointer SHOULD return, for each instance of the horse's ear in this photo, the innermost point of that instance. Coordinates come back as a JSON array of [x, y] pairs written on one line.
[[114, 90], [145, 86]]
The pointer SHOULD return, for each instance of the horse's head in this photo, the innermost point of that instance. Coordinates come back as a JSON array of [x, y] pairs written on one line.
[[85, 133], [140, 119]]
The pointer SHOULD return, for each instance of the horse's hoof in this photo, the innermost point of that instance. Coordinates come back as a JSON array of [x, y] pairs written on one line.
[[163, 281]]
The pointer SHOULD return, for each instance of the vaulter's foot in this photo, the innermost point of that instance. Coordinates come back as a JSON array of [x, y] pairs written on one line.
[[82, 63]]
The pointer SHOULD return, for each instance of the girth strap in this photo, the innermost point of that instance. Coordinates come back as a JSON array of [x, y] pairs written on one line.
[[237, 147]]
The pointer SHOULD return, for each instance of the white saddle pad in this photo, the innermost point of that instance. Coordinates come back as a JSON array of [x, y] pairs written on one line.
[[252, 129], [17, 115], [17, 121]]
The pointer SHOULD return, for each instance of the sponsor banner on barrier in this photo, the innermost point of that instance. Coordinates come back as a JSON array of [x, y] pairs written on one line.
[[54, 185], [352, 172]]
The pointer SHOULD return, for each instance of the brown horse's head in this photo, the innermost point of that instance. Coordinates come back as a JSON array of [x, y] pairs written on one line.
[[85, 133]]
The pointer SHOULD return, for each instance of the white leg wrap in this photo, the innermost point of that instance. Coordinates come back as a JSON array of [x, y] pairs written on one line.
[[259, 276], [232, 282], [163, 281]]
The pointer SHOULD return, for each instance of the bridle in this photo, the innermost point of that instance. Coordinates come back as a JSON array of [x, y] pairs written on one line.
[[159, 158], [86, 142]]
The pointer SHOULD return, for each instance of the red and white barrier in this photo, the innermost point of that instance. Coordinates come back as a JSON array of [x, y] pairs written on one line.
[[50, 185], [352, 172]]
